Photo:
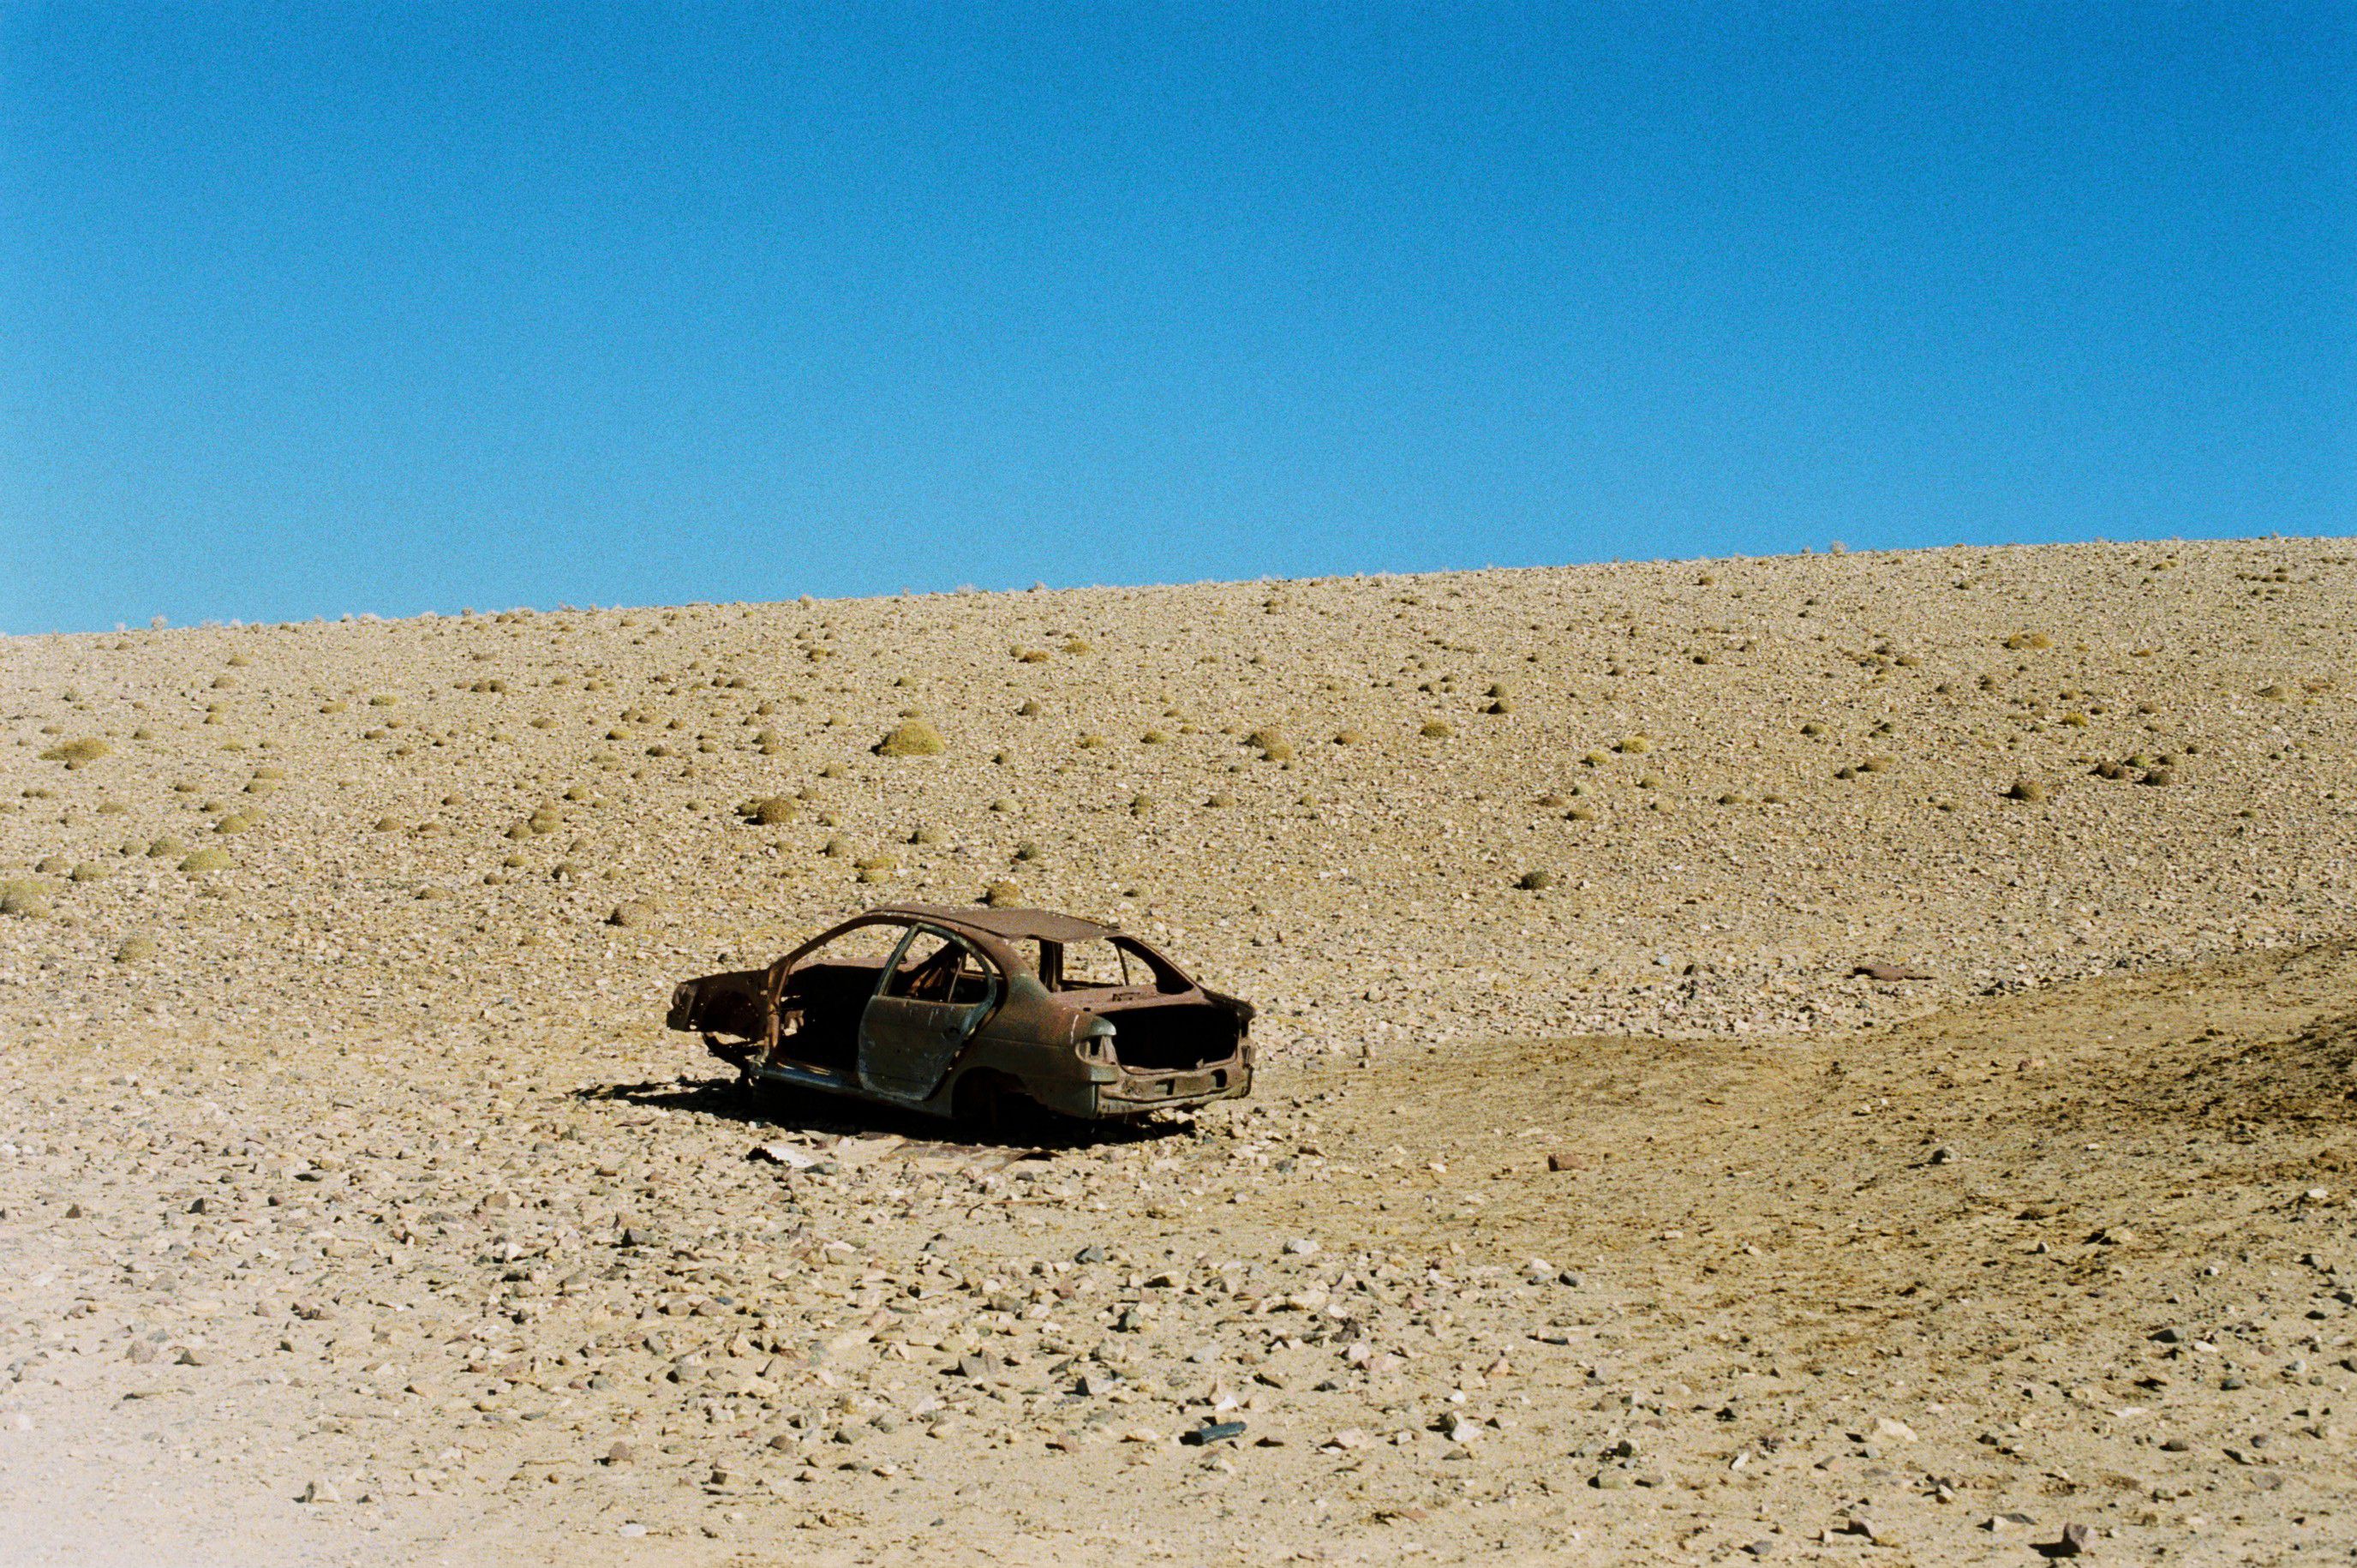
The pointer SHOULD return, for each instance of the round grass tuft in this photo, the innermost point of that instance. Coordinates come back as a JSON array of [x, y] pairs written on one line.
[[77, 753], [912, 737]]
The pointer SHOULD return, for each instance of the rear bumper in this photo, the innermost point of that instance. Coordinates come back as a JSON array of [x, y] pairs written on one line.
[[1134, 1094]]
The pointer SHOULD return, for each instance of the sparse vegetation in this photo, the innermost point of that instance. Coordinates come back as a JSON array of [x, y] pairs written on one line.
[[76, 753], [911, 737], [1272, 744], [26, 896]]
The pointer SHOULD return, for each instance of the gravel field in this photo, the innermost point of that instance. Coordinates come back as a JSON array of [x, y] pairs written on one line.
[[1839, 1057]]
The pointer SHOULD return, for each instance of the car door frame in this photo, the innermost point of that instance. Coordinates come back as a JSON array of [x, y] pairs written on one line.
[[928, 1035]]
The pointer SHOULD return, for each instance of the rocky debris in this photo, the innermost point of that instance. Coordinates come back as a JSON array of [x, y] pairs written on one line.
[[413, 1194]]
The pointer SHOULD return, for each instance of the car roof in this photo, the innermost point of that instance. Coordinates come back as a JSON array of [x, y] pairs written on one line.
[[1007, 925]]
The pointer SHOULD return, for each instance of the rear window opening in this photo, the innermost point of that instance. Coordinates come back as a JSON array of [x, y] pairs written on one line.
[[1111, 963]]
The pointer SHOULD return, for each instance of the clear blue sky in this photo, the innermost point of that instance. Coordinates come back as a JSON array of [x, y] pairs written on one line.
[[315, 309]]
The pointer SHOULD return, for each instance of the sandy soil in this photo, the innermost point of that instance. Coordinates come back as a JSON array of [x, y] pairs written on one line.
[[358, 1168]]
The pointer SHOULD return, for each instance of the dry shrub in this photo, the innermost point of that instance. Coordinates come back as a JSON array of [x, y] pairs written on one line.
[[2029, 790], [135, 950], [911, 737], [768, 811], [1535, 881], [1271, 743], [25, 896], [1633, 746], [77, 753], [1437, 729], [633, 914], [1002, 895], [206, 860], [165, 848]]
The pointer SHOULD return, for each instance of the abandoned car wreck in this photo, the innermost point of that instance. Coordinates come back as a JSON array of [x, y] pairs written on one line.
[[969, 1012]]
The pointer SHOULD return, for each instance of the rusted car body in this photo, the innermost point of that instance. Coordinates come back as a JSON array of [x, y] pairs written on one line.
[[966, 1012]]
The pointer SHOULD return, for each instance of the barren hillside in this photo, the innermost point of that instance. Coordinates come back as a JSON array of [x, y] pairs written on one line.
[[349, 1157]]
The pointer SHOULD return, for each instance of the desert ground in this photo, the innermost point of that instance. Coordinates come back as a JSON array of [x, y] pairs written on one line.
[[1836, 1057]]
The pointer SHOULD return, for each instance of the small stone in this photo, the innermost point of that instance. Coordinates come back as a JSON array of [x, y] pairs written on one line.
[[1894, 1431], [319, 1490], [2077, 1541], [621, 1453], [1212, 1432], [1091, 1253]]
